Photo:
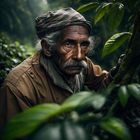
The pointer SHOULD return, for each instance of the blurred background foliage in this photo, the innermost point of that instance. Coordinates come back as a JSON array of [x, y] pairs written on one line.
[[11, 54], [87, 115], [17, 18]]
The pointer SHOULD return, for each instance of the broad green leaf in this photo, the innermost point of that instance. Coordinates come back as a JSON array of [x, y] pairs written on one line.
[[114, 42], [48, 132], [134, 90], [123, 95], [117, 11], [66, 130], [27, 121], [87, 7], [116, 127], [83, 99], [101, 11]]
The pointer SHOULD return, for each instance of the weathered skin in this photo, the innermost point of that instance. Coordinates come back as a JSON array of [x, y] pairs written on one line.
[[73, 46]]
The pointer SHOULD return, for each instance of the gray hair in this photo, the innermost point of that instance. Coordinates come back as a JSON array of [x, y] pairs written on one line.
[[52, 39]]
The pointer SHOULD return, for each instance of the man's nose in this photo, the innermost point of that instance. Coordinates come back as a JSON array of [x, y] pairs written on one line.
[[78, 53]]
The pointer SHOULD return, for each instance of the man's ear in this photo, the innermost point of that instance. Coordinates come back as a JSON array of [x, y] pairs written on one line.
[[45, 48]]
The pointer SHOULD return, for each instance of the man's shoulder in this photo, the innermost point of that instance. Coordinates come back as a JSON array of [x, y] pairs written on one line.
[[18, 71], [21, 70]]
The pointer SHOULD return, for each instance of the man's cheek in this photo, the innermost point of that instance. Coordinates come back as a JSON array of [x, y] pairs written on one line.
[[66, 55]]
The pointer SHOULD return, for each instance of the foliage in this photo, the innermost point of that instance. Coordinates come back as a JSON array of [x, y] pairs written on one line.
[[84, 110], [115, 42], [17, 18], [88, 6], [66, 130], [106, 11], [11, 54], [101, 11], [129, 91], [44, 112], [116, 127]]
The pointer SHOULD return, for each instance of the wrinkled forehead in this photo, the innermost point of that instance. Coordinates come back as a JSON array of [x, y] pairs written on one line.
[[75, 31]]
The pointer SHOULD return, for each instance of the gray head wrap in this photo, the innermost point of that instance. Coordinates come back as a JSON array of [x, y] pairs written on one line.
[[57, 20]]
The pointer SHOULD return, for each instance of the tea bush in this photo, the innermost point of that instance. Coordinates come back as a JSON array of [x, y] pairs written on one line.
[[11, 54]]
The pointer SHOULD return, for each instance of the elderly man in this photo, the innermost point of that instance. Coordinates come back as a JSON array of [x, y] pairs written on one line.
[[58, 70]]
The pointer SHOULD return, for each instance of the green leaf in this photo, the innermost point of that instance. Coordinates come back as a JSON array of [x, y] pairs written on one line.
[[87, 7], [84, 99], [116, 11], [27, 121], [123, 95], [134, 90], [48, 131], [114, 42], [101, 11], [116, 127], [66, 130]]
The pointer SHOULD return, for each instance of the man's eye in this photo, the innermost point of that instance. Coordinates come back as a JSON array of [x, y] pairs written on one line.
[[84, 45], [69, 44]]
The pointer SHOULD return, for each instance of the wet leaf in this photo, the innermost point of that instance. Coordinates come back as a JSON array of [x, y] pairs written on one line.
[[114, 42], [123, 95], [101, 11], [116, 127], [86, 7]]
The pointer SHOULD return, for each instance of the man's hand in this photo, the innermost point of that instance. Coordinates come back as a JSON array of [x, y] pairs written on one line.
[[115, 69]]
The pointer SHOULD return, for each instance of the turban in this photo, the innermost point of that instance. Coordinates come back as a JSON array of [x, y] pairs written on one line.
[[58, 20]]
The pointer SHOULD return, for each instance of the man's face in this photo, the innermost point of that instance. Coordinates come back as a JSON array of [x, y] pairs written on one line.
[[72, 49]]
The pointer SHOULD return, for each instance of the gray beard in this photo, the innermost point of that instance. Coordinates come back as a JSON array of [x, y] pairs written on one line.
[[72, 84]]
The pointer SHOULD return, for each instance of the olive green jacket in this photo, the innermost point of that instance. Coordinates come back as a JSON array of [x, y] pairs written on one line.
[[31, 83]]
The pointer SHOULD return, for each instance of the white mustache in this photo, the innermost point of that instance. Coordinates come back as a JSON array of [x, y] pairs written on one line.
[[74, 63]]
